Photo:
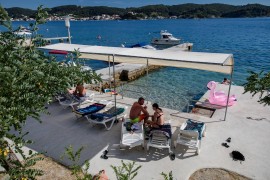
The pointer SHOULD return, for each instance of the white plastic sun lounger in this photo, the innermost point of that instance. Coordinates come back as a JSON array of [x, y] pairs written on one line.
[[106, 118], [131, 138], [160, 139], [190, 138], [70, 100], [92, 108]]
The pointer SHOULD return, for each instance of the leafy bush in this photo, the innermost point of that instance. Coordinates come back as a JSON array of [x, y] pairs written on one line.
[[28, 80]]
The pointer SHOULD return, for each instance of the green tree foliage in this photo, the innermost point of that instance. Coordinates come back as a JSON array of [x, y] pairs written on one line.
[[76, 169], [28, 80], [177, 10], [17, 12], [160, 10], [5, 19], [129, 16], [259, 83], [250, 10], [167, 176], [18, 170], [127, 171], [85, 11]]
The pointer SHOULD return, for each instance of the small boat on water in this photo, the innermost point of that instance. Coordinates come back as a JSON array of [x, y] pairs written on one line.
[[70, 62], [142, 45], [23, 31], [139, 45], [166, 38], [167, 41]]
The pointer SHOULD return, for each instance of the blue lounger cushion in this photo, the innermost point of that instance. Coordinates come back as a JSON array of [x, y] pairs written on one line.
[[107, 114], [195, 126], [93, 108]]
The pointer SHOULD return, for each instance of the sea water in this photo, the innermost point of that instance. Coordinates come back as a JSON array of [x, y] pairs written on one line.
[[247, 39]]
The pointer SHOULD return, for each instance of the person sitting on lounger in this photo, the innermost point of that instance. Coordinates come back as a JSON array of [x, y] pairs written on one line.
[[158, 117], [138, 112], [80, 91]]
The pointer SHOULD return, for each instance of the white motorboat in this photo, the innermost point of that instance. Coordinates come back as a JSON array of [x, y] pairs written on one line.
[[140, 45], [86, 68], [69, 63], [166, 38], [23, 32]]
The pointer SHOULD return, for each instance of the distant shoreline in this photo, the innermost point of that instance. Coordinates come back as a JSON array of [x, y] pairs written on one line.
[[181, 11], [145, 19]]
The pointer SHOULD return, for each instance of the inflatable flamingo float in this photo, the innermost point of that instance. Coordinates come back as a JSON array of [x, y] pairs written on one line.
[[219, 97]]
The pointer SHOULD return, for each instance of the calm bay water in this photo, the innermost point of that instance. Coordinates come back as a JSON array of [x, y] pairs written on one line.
[[247, 39]]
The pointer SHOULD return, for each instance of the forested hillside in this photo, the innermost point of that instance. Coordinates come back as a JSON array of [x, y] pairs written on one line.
[[153, 11]]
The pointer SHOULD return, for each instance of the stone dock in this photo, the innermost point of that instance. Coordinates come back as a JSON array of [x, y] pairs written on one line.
[[123, 72]]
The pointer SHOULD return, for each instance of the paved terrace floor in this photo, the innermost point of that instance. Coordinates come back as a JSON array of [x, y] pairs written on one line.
[[248, 125]]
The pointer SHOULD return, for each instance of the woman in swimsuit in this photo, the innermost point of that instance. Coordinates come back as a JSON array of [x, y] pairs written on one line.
[[158, 117]]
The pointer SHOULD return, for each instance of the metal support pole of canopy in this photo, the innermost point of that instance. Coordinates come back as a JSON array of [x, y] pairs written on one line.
[[110, 74], [228, 95], [114, 83], [147, 85], [67, 24]]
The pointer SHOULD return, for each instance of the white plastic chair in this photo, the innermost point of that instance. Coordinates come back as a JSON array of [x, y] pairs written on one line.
[[189, 138], [67, 100]]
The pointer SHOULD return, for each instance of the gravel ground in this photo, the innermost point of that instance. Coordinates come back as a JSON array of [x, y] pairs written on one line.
[[51, 170]]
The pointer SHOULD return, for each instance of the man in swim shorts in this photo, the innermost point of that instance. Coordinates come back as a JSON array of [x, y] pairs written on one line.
[[138, 113]]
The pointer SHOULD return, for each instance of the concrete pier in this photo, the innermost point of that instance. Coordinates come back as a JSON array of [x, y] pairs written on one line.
[[123, 72]]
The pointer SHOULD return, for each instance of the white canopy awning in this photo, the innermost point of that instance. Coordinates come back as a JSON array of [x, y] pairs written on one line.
[[216, 62]]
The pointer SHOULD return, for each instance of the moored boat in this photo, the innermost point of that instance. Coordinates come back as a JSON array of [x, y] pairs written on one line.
[[70, 62], [139, 45], [23, 31], [166, 38]]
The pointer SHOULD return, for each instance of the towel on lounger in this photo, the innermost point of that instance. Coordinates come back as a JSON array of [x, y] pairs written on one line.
[[165, 129], [107, 114], [195, 126], [90, 109]]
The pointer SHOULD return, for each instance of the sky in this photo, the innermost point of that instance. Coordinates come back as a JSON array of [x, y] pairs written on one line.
[[33, 4]]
